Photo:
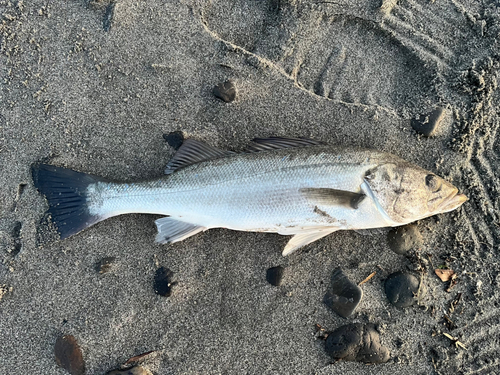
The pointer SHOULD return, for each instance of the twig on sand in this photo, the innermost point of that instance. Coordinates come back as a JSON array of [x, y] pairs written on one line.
[[368, 278]]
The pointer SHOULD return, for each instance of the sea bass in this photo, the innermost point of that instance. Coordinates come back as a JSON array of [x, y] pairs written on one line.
[[290, 186]]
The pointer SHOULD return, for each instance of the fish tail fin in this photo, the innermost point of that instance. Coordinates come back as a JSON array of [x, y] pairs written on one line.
[[66, 193]]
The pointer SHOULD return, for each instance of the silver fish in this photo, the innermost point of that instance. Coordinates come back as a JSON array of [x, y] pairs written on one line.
[[290, 186]]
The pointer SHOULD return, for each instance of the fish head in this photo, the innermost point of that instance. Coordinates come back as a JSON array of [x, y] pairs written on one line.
[[406, 192]]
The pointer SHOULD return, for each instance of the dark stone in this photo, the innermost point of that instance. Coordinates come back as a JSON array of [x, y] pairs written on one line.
[[356, 342], [69, 355], [402, 239], [401, 289], [174, 139], [105, 264], [225, 91], [163, 284], [343, 296], [427, 124], [274, 275]]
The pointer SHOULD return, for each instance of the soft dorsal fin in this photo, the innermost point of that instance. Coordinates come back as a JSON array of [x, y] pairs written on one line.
[[333, 197], [277, 143], [192, 152]]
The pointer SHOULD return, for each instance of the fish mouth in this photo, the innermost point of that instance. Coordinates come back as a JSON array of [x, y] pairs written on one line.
[[454, 201]]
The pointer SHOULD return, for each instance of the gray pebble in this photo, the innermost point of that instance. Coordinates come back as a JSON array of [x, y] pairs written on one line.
[[343, 296], [356, 342], [402, 239], [427, 124], [225, 91], [401, 289]]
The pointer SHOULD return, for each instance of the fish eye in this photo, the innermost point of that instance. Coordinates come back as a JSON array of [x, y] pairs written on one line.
[[433, 183]]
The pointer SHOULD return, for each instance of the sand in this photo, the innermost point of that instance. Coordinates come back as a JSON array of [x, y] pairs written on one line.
[[94, 85]]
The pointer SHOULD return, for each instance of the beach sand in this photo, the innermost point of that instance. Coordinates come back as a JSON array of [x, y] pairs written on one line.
[[94, 86]]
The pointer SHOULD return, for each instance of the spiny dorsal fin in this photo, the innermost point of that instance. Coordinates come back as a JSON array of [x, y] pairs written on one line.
[[192, 152], [278, 143], [333, 197]]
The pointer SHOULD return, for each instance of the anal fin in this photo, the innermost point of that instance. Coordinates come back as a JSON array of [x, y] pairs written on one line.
[[171, 230], [302, 239]]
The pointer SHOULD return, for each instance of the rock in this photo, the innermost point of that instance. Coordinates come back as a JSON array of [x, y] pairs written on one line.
[[401, 289], [137, 370], [105, 264], [356, 342], [402, 239], [174, 139], [274, 275], [69, 355], [225, 91], [343, 296], [427, 124], [163, 284]]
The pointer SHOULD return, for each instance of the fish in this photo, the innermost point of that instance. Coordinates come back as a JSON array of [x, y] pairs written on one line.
[[291, 186]]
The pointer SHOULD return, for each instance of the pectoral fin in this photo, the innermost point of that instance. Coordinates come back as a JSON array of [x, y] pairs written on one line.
[[171, 230], [333, 197], [302, 239]]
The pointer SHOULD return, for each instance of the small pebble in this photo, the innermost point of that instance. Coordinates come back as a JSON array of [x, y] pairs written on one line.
[[174, 139], [427, 124], [401, 289], [274, 275], [137, 370], [69, 355], [225, 91], [356, 342], [163, 284], [105, 264], [343, 296], [402, 239]]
